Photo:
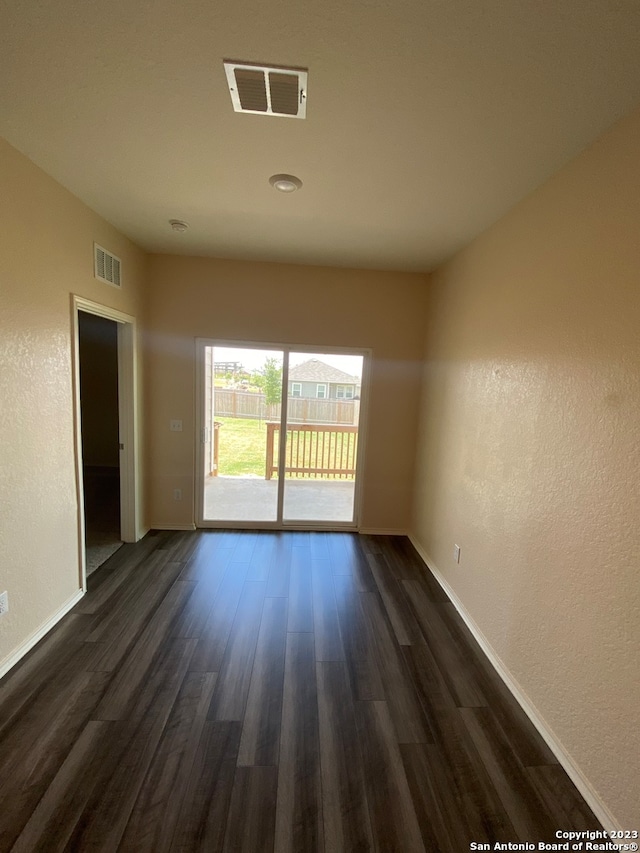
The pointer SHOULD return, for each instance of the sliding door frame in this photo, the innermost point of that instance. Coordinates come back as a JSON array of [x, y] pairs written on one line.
[[286, 349]]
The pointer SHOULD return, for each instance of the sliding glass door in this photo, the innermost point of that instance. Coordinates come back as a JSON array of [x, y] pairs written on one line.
[[242, 394], [279, 435], [323, 411]]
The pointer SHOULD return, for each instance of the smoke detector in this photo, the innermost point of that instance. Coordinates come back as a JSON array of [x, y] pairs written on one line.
[[267, 89], [285, 183], [178, 225]]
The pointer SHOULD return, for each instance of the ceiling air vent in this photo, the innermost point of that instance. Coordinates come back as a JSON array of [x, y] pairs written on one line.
[[106, 266], [267, 89]]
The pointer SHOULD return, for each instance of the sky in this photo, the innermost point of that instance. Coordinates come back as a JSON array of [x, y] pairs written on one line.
[[253, 359]]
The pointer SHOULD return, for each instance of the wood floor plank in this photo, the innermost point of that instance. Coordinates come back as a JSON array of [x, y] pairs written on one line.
[[474, 798], [108, 582], [124, 687], [124, 598], [328, 642], [38, 746], [57, 813], [361, 571], [435, 800], [260, 743], [319, 545], [357, 641], [405, 708], [181, 545], [210, 552], [300, 591], [460, 675], [406, 564], [299, 821], [52, 662], [341, 557], [405, 626], [232, 687], [428, 681], [344, 800], [393, 816], [156, 812], [278, 583], [254, 794], [406, 552], [206, 580], [119, 631], [453, 786], [369, 544], [262, 557], [245, 543], [523, 805], [202, 821], [561, 798], [215, 632], [118, 782], [519, 729]]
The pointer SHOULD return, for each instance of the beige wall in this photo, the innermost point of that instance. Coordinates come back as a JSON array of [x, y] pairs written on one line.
[[47, 254], [529, 453], [235, 300]]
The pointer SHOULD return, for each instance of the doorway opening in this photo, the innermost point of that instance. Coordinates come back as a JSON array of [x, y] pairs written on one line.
[[104, 385], [281, 435], [98, 362]]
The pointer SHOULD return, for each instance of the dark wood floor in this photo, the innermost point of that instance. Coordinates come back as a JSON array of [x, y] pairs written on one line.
[[242, 691]]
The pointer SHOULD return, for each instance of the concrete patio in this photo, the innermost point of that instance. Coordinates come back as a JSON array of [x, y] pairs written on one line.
[[254, 499]]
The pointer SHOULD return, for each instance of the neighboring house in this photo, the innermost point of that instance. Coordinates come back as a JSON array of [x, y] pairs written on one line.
[[314, 378]]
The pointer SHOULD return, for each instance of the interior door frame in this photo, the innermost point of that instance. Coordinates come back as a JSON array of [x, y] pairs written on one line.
[[128, 423], [280, 523]]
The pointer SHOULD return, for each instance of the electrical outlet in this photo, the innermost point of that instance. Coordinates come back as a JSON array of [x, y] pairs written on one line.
[[175, 426], [177, 494], [4, 602], [456, 553]]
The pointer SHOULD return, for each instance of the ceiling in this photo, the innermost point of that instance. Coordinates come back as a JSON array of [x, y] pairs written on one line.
[[426, 119]]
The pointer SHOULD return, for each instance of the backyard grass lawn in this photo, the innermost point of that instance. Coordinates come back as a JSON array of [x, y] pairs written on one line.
[[243, 447], [242, 450]]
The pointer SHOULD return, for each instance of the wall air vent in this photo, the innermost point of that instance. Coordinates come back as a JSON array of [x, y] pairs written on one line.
[[267, 90], [106, 266]]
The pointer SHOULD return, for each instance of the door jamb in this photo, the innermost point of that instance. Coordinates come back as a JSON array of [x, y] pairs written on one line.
[[128, 424]]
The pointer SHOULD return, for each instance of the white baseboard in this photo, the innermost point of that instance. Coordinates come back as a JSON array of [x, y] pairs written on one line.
[[172, 527], [382, 531], [25, 647], [572, 770]]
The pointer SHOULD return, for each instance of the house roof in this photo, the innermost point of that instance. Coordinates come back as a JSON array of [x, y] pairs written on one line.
[[426, 121], [315, 370]]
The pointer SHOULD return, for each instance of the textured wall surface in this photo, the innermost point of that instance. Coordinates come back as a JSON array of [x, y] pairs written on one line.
[[199, 297], [529, 453], [47, 254]]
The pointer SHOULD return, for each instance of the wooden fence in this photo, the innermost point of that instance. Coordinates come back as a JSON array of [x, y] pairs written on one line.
[[229, 403], [314, 450]]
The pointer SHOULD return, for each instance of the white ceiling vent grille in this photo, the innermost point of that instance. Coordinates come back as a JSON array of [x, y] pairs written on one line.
[[267, 89], [106, 266]]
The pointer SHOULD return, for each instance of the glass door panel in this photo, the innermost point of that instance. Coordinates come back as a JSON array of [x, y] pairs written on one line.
[[242, 408], [323, 411]]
